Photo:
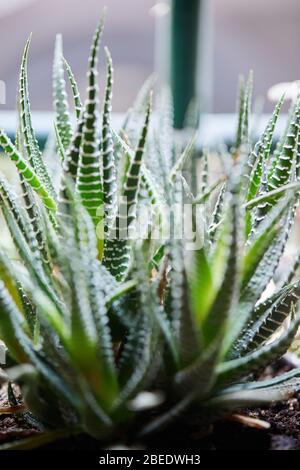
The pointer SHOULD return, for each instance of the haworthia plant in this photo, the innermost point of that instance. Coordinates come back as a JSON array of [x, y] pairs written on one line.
[[92, 318]]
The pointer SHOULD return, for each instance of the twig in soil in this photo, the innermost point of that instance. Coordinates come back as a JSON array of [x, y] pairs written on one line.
[[9, 410], [250, 422]]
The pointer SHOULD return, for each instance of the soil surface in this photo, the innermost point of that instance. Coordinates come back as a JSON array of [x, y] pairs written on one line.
[[13, 425], [273, 428]]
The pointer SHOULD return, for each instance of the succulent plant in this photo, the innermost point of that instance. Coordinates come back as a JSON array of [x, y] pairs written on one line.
[[100, 327]]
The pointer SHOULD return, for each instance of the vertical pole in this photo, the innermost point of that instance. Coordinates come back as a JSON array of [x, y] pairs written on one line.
[[189, 43], [184, 40]]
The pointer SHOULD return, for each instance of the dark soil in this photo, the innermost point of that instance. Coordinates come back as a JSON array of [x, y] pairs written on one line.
[[226, 434], [13, 426]]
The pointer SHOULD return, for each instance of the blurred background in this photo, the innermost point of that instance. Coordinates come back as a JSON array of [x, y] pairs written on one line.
[[243, 34]]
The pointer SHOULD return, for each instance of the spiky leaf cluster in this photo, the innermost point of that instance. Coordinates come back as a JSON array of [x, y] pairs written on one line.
[[93, 323]]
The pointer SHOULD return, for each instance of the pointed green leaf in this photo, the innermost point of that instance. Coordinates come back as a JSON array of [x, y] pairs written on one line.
[[25, 170], [61, 106]]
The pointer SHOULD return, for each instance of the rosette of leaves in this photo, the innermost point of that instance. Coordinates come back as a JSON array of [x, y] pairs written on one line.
[[99, 328]]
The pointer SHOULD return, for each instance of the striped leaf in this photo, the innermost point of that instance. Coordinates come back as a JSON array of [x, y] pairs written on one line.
[[31, 145], [226, 299], [136, 362], [183, 159], [282, 140], [217, 213], [9, 199], [70, 168], [260, 278], [260, 357], [88, 182], [272, 319], [89, 320], [117, 249], [107, 147], [263, 152], [284, 164], [74, 87], [61, 106], [129, 129], [253, 394], [244, 105]]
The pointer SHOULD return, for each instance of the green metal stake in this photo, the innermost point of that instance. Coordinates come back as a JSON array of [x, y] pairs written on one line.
[[189, 27], [184, 40]]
